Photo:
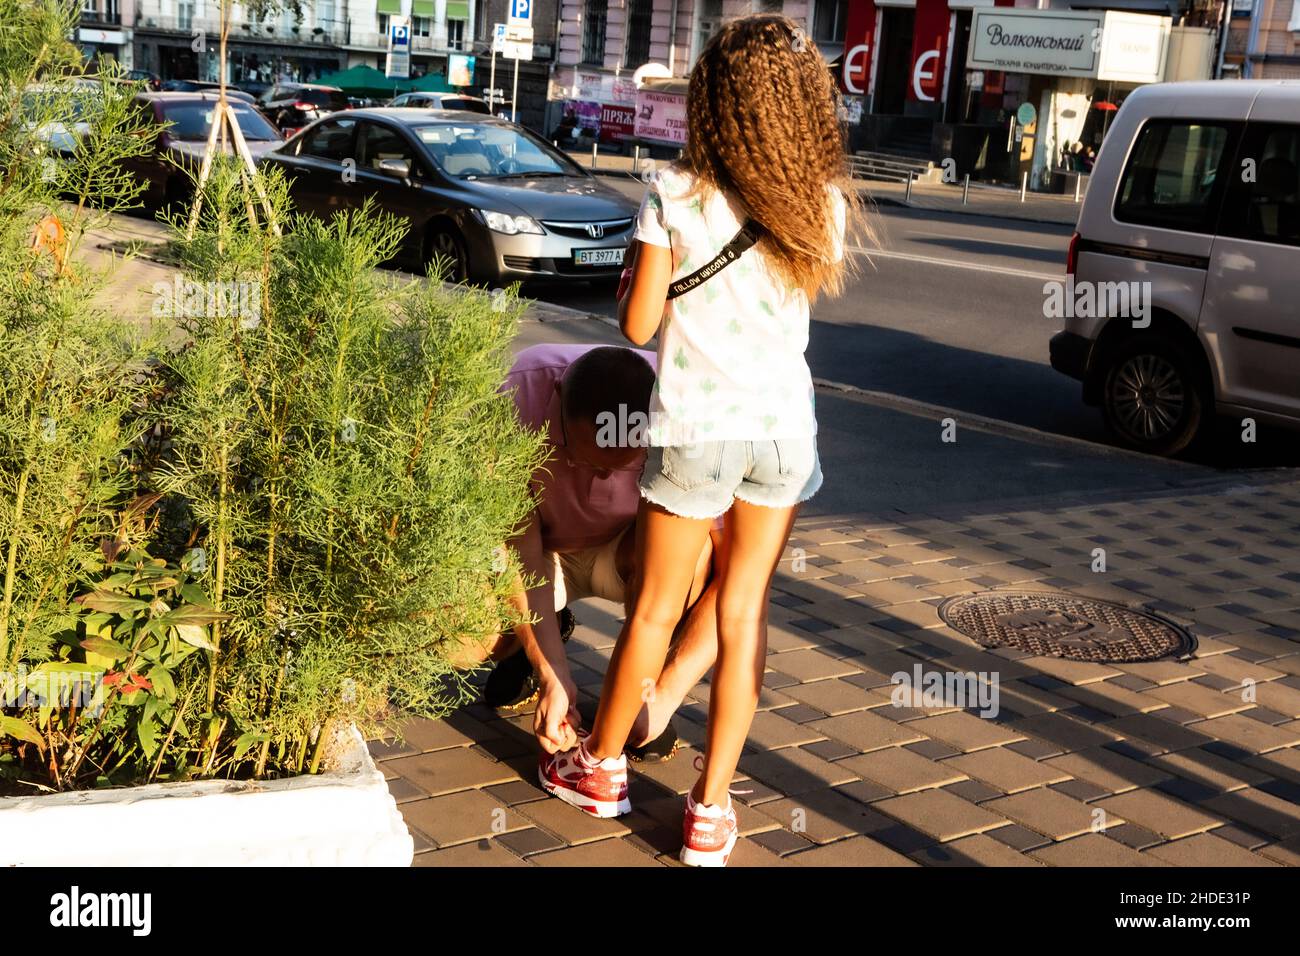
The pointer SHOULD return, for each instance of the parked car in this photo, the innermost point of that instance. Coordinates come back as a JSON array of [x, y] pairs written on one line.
[[42, 106], [203, 86], [189, 116], [292, 106], [254, 88], [442, 101], [1195, 197], [498, 202], [150, 80]]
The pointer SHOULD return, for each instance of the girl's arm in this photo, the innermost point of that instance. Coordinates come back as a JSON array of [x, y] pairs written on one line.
[[641, 307]]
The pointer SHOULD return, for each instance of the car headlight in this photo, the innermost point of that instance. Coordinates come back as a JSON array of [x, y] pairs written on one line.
[[510, 225]]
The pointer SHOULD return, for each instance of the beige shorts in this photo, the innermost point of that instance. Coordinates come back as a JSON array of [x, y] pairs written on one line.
[[592, 572]]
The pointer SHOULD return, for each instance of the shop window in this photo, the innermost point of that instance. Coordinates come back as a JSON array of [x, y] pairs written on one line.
[[1172, 179], [1265, 205], [639, 15], [594, 13], [828, 20]]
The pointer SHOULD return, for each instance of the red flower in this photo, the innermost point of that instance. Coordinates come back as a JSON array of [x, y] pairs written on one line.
[[127, 683]]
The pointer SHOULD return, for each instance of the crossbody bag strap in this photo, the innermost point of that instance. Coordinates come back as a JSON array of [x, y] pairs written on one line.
[[749, 234]]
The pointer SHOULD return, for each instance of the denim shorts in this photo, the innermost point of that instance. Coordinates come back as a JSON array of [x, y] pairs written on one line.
[[700, 480]]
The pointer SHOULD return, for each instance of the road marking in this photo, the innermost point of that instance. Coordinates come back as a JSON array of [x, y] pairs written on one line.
[[1054, 247], [958, 264]]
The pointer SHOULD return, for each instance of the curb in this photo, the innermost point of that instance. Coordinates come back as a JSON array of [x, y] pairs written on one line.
[[900, 204]]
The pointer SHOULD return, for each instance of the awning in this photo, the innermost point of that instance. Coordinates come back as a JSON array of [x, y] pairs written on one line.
[[391, 7], [457, 9], [423, 8]]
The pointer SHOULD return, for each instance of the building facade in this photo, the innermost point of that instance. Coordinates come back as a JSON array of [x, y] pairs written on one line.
[[1265, 40], [179, 39], [104, 31]]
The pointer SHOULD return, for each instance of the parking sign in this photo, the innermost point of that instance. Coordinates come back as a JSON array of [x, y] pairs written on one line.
[[521, 11]]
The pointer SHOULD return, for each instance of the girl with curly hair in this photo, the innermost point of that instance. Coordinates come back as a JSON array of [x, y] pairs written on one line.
[[732, 426]]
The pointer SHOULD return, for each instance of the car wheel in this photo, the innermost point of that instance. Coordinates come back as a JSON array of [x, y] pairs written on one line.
[[1153, 395], [177, 196], [447, 247]]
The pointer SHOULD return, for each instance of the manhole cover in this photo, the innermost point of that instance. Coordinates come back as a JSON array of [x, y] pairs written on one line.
[[1060, 625]]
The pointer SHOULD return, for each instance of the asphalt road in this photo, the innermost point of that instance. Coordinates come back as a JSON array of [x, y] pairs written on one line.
[[949, 311]]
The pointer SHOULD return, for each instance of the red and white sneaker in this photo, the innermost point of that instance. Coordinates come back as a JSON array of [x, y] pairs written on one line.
[[598, 787], [708, 833]]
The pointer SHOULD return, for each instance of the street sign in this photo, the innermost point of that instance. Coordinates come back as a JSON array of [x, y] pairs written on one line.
[[498, 36], [521, 11], [398, 62], [519, 34], [515, 50]]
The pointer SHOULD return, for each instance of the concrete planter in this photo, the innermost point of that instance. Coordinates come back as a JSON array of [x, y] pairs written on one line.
[[343, 817]]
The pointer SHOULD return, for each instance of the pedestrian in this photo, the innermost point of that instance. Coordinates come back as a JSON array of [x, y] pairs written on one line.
[[733, 242]]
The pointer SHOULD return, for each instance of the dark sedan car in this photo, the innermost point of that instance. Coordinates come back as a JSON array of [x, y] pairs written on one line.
[[497, 201], [291, 106], [189, 119], [203, 86]]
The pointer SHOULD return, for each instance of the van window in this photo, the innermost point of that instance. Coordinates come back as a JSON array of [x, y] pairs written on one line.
[[1264, 201], [1172, 179]]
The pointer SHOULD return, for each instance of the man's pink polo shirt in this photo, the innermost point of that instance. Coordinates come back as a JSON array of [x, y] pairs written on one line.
[[578, 509]]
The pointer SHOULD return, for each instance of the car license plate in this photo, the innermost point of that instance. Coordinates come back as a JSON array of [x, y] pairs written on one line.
[[598, 257]]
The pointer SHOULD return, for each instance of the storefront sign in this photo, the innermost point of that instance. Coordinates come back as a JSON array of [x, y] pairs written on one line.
[[661, 116], [859, 35], [106, 37], [929, 44], [1133, 47], [1055, 43], [617, 121], [586, 115]]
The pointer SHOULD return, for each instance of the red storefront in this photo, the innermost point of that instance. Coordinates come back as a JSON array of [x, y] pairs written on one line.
[[906, 60]]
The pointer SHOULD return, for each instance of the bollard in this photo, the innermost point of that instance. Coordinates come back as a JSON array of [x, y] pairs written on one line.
[[593, 155], [636, 157], [965, 191], [1024, 185], [1078, 182], [907, 196]]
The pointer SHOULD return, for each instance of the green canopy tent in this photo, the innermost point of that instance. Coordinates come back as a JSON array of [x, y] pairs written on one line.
[[366, 81], [430, 83]]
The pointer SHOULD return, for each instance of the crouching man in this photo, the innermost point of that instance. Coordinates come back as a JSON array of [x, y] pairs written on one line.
[[580, 540]]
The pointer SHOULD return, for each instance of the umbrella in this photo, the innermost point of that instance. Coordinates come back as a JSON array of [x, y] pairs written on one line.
[[430, 83], [366, 81]]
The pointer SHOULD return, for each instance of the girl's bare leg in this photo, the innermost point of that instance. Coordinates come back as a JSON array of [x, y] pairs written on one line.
[[663, 585], [755, 537]]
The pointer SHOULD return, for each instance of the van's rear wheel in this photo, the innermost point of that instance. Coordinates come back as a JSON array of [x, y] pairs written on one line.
[[1153, 395]]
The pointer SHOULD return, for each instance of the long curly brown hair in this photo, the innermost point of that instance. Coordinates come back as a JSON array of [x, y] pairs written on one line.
[[762, 125]]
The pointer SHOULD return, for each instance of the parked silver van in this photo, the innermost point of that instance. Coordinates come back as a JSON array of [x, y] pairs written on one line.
[[1193, 212]]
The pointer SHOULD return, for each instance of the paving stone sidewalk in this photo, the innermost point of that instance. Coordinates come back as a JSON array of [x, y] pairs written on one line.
[[1180, 764]]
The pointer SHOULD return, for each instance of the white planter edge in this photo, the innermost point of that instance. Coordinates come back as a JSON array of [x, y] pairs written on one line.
[[343, 817]]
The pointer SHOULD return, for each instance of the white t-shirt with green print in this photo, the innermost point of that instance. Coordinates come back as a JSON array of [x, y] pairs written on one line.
[[731, 351]]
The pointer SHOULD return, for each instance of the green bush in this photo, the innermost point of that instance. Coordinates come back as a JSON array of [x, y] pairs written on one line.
[[288, 518]]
